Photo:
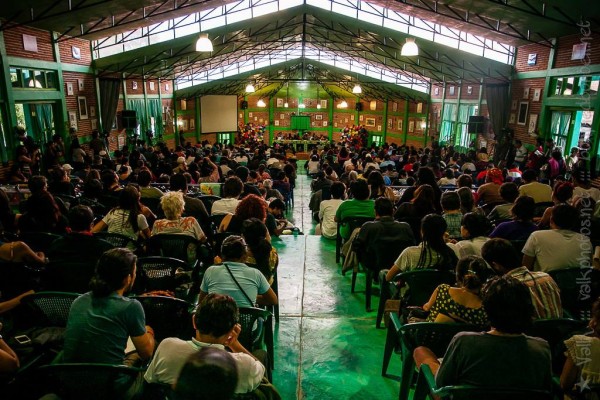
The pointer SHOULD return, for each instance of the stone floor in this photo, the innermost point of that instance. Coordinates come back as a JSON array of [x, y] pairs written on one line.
[[327, 346]]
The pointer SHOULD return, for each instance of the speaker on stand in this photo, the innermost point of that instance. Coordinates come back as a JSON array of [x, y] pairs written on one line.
[[130, 123]]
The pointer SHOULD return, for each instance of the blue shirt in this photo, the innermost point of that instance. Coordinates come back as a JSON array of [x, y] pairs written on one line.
[[218, 280]]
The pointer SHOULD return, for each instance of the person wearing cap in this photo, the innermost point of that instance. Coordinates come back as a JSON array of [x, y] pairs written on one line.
[[234, 278]]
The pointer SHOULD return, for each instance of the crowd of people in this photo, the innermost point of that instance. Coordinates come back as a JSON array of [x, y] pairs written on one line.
[[494, 226]]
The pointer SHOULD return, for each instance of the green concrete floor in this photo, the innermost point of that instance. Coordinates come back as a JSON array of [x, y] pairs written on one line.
[[326, 344]]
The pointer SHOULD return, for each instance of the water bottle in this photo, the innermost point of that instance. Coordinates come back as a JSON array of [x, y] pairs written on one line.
[[295, 231]]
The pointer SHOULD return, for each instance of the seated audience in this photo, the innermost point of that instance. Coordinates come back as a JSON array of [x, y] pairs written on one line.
[[489, 192], [413, 211], [146, 190], [509, 192], [101, 321], [359, 206], [559, 247], [501, 255], [561, 194], [261, 254], [503, 356], [42, 213], [462, 303], [216, 327], [251, 206], [232, 189], [540, 192], [328, 209], [234, 278], [193, 206], [451, 213], [173, 205], [474, 230], [522, 224], [583, 356]]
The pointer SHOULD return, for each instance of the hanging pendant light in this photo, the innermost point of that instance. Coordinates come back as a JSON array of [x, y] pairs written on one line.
[[318, 100], [357, 89], [410, 48], [250, 88], [343, 104], [261, 103], [287, 95], [203, 43]]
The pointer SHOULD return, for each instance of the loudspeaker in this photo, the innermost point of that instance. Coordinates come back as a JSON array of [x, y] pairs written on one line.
[[244, 105], [129, 119], [359, 107], [476, 124]]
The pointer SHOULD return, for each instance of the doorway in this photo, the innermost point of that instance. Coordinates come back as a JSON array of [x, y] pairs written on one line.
[[571, 128], [38, 119]]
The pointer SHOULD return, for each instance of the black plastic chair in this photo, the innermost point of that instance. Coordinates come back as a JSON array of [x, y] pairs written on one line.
[[38, 241], [257, 331], [158, 273], [68, 276], [579, 288], [421, 284], [432, 335], [352, 223], [208, 201], [49, 308], [426, 386], [168, 316], [116, 239], [171, 245], [89, 381], [555, 332], [540, 208]]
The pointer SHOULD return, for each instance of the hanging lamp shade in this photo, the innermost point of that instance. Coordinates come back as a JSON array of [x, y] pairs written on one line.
[[343, 104], [286, 105], [250, 88], [261, 103], [410, 48], [318, 99], [203, 43], [357, 89]]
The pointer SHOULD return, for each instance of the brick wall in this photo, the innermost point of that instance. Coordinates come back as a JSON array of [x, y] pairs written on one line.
[[524, 91], [13, 40], [66, 51], [565, 50], [542, 56]]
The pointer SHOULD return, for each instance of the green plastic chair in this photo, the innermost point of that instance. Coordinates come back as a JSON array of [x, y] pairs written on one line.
[[257, 332], [171, 245], [158, 273], [38, 241], [49, 308], [426, 386], [116, 239], [353, 223], [434, 336], [579, 288], [168, 316], [86, 381]]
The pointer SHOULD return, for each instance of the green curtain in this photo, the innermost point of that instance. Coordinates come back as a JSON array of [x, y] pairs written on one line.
[[462, 134], [139, 106], [155, 109], [446, 128]]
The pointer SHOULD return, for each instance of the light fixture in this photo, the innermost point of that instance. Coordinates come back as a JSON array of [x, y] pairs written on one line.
[[318, 100], [261, 103], [357, 89], [410, 48], [203, 43], [287, 95], [343, 104], [301, 105], [250, 88]]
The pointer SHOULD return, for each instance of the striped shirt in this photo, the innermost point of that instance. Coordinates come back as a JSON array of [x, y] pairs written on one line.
[[545, 293]]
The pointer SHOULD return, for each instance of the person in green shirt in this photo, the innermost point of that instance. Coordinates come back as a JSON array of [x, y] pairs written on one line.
[[359, 206]]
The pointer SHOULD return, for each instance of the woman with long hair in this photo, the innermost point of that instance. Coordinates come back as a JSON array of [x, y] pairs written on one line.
[[561, 194], [260, 252], [474, 229], [431, 253], [127, 218], [521, 225], [422, 204], [378, 187], [462, 303], [425, 176], [251, 206], [42, 213]]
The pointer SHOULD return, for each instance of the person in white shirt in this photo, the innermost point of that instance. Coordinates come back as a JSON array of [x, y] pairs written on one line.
[[328, 209], [474, 229], [216, 327], [561, 246], [232, 189]]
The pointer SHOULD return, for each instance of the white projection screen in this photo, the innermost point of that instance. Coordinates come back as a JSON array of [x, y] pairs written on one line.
[[218, 114]]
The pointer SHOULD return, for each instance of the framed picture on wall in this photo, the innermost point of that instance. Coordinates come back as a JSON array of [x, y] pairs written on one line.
[[411, 126], [94, 124], [378, 128], [513, 105], [92, 111], [436, 91], [323, 103], [399, 124], [281, 116], [469, 89], [184, 125], [394, 107], [512, 118], [525, 93], [134, 85], [166, 87], [370, 122], [82, 104], [73, 119], [279, 102], [532, 123], [76, 52], [80, 84], [192, 124], [325, 123], [360, 117], [451, 91], [352, 117], [151, 84], [390, 123], [318, 117], [276, 123], [419, 108], [70, 90], [523, 108], [537, 94]]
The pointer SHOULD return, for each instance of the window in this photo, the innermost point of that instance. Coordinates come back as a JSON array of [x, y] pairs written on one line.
[[224, 138], [575, 86], [446, 129], [377, 140], [33, 79]]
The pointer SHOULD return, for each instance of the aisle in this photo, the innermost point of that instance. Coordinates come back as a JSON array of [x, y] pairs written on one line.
[[327, 346]]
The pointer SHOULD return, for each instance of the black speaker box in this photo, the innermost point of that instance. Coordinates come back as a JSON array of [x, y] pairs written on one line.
[[129, 119], [359, 107], [244, 105], [476, 124]]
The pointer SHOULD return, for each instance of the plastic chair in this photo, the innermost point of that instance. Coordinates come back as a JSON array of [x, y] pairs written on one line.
[[89, 381], [426, 385], [257, 329], [49, 308], [352, 223], [555, 332], [171, 245], [421, 284], [540, 208], [158, 273], [168, 316], [38, 241], [579, 288], [116, 239], [208, 201], [433, 335]]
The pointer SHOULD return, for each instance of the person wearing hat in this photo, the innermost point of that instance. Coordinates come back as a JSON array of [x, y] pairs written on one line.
[[489, 192]]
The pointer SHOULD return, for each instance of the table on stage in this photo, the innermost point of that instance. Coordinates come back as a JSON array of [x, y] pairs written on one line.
[[301, 145]]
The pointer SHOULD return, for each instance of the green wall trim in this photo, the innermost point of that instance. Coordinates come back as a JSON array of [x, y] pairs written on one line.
[[37, 95], [7, 94], [574, 71], [51, 65]]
